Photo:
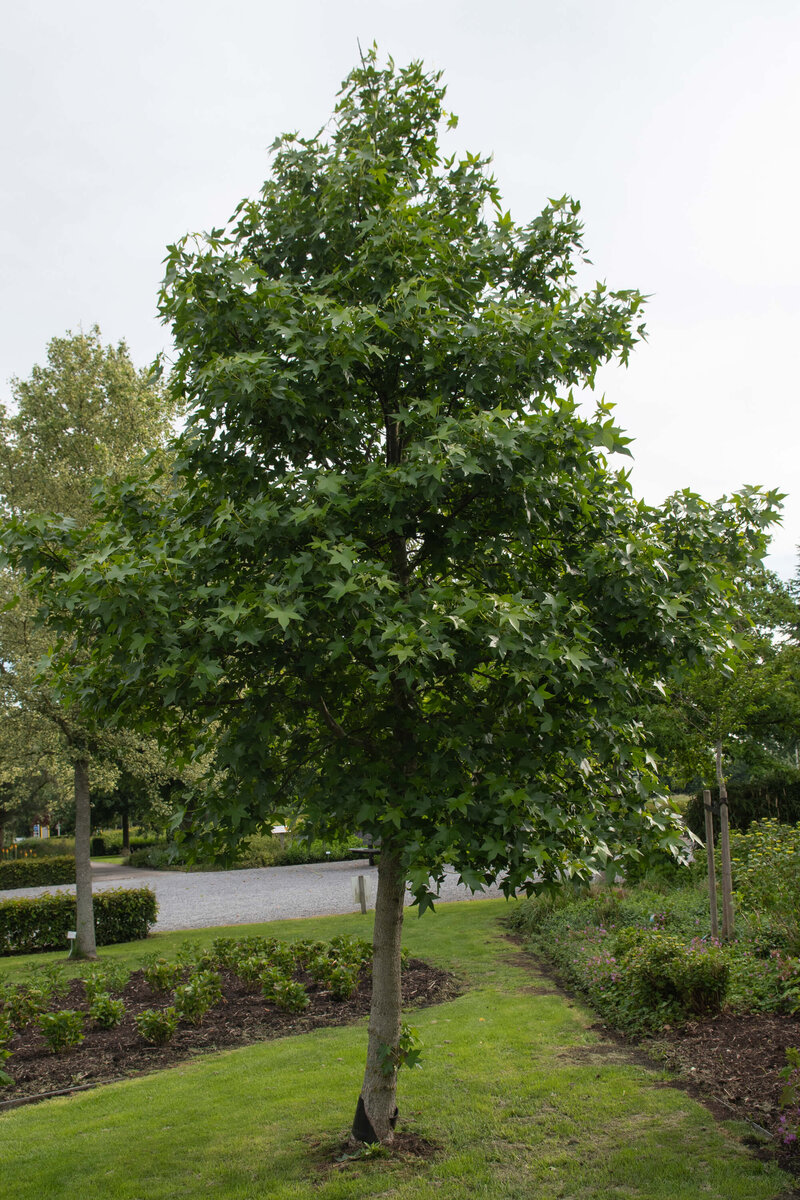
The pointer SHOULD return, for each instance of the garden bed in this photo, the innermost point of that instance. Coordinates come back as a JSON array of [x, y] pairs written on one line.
[[241, 1018], [730, 1062]]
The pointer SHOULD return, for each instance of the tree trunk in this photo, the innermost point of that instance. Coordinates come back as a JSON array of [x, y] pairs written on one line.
[[725, 853], [377, 1110], [126, 831], [712, 874], [85, 946]]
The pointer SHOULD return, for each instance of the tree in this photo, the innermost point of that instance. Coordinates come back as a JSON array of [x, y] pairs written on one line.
[[86, 414], [398, 583], [746, 705]]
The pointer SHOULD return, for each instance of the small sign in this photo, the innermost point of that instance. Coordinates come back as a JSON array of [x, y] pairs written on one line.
[[71, 935]]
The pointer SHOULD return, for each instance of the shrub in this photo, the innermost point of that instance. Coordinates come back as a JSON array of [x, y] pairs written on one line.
[[36, 872], [664, 968], [62, 1030], [23, 1004], [766, 871], [107, 977], [106, 1011], [157, 855], [157, 1026], [290, 996], [46, 847], [162, 975], [110, 842], [28, 924], [777, 799], [52, 980], [194, 998], [343, 981]]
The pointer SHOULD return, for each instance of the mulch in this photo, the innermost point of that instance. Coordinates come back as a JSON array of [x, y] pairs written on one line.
[[241, 1019]]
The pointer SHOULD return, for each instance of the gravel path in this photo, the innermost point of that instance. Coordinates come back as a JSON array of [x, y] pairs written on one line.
[[198, 899]]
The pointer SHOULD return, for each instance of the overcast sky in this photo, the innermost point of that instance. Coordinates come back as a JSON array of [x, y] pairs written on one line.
[[676, 124]]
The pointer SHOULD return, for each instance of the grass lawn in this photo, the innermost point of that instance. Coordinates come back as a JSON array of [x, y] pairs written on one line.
[[523, 1098]]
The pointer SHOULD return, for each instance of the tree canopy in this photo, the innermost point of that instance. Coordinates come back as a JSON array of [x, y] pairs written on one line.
[[399, 583]]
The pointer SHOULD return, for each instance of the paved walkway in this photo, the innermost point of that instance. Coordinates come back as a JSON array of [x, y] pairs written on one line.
[[198, 899]]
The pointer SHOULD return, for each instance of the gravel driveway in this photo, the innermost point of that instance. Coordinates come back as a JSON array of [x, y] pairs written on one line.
[[198, 899]]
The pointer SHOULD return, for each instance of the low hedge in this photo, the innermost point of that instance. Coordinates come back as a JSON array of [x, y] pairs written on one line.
[[261, 851], [37, 923], [104, 844], [775, 798], [36, 872]]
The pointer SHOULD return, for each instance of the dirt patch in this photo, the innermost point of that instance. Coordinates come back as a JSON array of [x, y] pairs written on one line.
[[239, 1020], [341, 1154]]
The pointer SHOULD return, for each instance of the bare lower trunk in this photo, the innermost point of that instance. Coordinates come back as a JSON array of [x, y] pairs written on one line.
[[712, 874], [85, 946], [725, 853], [377, 1110], [126, 832]]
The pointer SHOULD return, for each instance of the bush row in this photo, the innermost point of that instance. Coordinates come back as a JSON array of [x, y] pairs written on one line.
[[263, 851], [747, 802], [36, 872], [103, 844], [31, 924], [52, 847], [645, 958]]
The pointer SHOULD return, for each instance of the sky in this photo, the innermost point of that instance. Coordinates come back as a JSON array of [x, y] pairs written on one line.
[[675, 124]]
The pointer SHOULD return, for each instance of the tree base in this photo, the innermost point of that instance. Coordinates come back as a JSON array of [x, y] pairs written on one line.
[[363, 1131]]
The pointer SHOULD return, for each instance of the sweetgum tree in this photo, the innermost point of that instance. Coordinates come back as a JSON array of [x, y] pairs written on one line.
[[398, 584]]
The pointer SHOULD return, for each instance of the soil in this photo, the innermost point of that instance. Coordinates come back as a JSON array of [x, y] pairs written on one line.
[[240, 1019]]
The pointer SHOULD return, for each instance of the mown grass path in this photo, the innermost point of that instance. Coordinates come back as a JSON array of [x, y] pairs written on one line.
[[522, 1096]]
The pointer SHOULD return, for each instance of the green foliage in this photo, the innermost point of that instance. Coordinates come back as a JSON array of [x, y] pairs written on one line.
[[52, 847], [407, 591], [638, 955], [664, 969], [790, 1097], [36, 872], [23, 1004], [777, 798], [109, 976], [287, 994], [41, 923], [193, 999], [106, 1011], [62, 1030], [157, 1026], [766, 877], [111, 843], [747, 703], [259, 851], [406, 1053], [161, 974]]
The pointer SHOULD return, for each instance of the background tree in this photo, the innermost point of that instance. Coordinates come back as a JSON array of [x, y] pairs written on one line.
[[398, 583], [86, 414], [747, 704]]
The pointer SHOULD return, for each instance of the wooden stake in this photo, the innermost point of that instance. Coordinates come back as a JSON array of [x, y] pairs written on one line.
[[712, 874], [725, 852]]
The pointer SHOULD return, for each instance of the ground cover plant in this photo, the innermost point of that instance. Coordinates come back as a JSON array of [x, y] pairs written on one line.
[[518, 1095], [231, 992]]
